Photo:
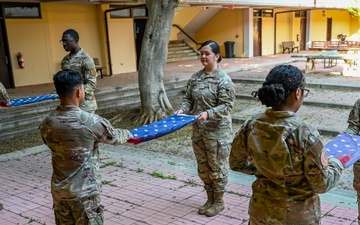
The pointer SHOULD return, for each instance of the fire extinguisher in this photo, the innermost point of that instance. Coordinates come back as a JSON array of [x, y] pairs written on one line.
[[20, 59]]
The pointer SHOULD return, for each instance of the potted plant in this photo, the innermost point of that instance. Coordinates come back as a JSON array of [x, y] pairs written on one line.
[[342, 37]]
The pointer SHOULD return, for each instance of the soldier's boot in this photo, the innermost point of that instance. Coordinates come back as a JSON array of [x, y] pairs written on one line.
[[217, 206], [207, 205]]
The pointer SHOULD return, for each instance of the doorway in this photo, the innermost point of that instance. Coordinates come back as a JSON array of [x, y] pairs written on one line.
[[139, 26], [6, 77], [257, 37], [328, 29], [303, 34]]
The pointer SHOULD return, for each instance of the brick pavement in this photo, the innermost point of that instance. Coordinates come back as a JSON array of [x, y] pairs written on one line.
[[132, 193]]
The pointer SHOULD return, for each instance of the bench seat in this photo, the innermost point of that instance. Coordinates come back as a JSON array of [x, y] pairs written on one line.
[[289, 46]]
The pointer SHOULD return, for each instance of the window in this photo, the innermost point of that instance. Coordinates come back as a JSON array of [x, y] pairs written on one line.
[[140, 12], [300, 14], [123, 13], [263, 13], [22, 10], [127, 13]]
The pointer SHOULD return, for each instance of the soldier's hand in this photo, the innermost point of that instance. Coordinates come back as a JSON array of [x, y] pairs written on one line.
[[180, 111], [344, 159], [203, 116]]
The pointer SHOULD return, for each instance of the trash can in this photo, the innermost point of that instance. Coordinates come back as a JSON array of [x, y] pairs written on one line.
[[229, 49]]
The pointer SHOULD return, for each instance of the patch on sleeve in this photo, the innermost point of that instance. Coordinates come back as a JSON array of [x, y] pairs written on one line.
[[324, 159], [93, 72]]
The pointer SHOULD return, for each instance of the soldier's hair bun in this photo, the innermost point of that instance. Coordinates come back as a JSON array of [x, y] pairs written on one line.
[[279, 84]]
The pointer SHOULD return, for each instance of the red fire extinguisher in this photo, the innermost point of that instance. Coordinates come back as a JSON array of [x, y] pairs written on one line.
[[20, 59]]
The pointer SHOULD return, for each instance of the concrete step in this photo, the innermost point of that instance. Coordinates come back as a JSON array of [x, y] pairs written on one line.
[[24, 119], [181, 55], [182, 58], [181, 51]]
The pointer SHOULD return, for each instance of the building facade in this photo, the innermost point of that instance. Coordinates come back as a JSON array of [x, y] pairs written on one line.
[[112, 32]]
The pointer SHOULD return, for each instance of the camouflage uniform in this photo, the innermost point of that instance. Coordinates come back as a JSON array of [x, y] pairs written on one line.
[[73, 135], [211, 138], [354, 128], [4, 97], [84, 64], [291, 168]]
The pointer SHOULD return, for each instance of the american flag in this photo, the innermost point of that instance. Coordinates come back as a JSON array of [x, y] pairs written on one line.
[[344, 144], [28, 100], [160, 128]]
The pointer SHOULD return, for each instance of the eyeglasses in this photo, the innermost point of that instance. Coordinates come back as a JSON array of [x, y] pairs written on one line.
[[305, 92], [65, 42]]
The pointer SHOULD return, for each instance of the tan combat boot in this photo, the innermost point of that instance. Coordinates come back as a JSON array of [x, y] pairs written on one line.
[[217, 206], [209, 202]]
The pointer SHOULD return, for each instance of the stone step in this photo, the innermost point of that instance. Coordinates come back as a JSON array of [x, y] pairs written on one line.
[[181, 51], [177, 51], [182, 58], [24, 119], [182, 55]]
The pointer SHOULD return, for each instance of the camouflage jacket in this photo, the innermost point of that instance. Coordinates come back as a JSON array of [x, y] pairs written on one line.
[[4, 97], [214, 93], [73, 136], [354, 119], [290, 165], [84, 64]]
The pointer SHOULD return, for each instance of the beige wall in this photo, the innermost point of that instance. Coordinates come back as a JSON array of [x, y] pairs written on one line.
[[226, 25], [284, 29], [267, 41], [122, 45], [38, 40], [341, 24], [182, 18], [29, 38]]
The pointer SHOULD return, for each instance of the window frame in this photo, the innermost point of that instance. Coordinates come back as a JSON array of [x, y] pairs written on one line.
[[9, 5]]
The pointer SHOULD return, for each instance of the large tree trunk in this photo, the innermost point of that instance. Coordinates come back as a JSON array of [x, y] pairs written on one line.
[[154, 101]]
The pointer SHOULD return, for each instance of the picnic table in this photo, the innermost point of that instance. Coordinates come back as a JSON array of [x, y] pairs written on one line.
[[330, 60]]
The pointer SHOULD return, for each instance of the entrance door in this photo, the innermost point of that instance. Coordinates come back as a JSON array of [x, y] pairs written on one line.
[[5, 65], [303, 34], [257, 37], [139, 26], [328, 29]]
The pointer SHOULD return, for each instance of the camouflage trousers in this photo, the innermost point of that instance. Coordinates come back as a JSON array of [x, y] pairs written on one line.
[[356, 185], [212, 149], [89, 211]]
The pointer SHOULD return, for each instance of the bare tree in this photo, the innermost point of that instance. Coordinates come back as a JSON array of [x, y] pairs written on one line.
[[155, 104]]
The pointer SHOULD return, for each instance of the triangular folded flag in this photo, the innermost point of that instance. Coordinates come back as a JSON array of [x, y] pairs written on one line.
[[28, 100], [344, 144], [160, 128]]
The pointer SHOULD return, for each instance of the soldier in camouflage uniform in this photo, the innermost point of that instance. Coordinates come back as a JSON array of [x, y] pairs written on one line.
[[285, 154], [354, 128], [210, 94], [73, 136], [81, 62], [4, 97]]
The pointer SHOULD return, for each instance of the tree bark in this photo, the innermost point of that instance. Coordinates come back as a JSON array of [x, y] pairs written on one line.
[[155, 104]]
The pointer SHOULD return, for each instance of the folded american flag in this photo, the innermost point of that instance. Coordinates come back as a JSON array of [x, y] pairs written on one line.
[[344, 144], [28, 100], [160, 128]]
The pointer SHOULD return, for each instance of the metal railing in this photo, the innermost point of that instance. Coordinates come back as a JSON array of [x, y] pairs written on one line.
[[186, 34]]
